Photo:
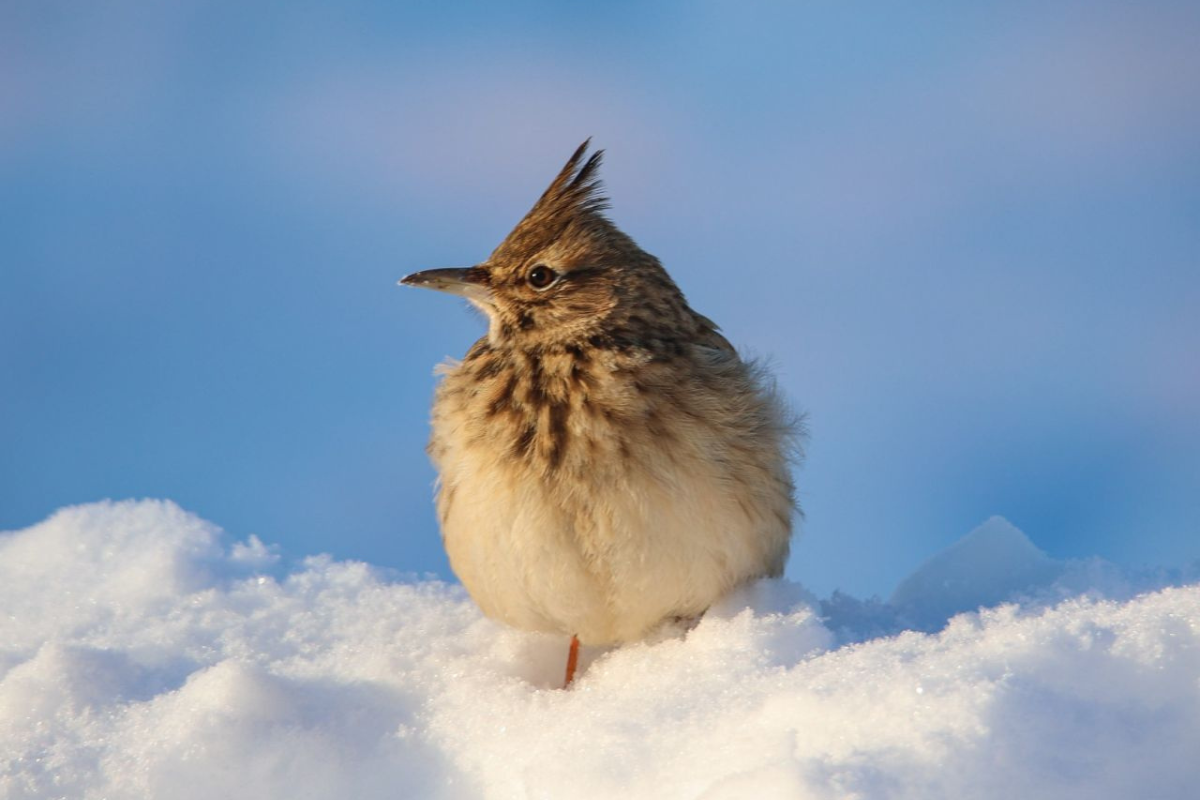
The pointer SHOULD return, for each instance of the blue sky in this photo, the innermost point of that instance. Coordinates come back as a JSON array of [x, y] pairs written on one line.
[[968, 239]]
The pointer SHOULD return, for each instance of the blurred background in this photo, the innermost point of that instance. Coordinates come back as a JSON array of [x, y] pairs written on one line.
[[967, 237]]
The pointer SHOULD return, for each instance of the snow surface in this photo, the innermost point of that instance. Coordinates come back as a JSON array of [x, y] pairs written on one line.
[[143, 655]]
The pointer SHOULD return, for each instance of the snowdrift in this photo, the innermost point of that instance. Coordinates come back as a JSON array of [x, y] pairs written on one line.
[[144, 656]]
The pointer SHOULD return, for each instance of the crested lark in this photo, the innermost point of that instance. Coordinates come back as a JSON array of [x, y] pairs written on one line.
[[606, 460]]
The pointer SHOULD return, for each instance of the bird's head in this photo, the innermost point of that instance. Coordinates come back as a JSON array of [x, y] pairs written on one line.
[[565, 274]]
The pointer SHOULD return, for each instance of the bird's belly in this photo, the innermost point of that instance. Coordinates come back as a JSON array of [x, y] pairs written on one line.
[[516, 558], [609, 560]]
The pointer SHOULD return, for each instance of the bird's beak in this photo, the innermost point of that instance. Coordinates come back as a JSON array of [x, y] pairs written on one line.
[[468, 282]]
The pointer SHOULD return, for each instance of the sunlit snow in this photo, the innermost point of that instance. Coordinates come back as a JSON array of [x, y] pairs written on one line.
[[144, 655]]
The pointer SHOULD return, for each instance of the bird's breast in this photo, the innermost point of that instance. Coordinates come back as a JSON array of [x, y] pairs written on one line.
[[551, 415], [583, 493]]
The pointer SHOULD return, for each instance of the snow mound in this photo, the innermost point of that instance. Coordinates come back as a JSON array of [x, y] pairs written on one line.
[[143, 655], [984, 568]]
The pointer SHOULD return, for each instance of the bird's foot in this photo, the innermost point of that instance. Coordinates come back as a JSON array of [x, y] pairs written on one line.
[[685, 624]]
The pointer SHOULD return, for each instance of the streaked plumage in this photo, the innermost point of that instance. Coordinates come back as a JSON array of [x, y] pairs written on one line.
[[606, 459]]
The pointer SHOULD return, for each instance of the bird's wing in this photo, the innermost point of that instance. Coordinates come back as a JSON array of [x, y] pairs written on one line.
[[711, 336]]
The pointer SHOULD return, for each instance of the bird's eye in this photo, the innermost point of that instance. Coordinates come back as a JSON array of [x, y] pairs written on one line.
[[541, 276]]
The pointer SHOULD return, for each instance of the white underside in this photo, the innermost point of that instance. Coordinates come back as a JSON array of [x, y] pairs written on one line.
[[609, 566]]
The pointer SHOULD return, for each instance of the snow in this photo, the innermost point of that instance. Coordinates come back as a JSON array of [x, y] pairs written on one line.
[[143, 654], [982, 569]]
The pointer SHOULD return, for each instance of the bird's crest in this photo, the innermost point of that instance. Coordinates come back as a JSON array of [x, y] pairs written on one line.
[[574, 196]]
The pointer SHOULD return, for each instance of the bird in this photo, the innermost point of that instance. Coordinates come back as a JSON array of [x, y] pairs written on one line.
[[608, 464]]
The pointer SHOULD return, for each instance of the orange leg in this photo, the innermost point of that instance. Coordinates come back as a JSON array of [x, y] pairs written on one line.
[[572, 660]]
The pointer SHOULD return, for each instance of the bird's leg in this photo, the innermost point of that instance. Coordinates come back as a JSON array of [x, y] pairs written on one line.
[[572, 661]]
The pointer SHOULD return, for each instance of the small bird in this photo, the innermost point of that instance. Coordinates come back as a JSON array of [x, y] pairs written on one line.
[[607, 462]]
